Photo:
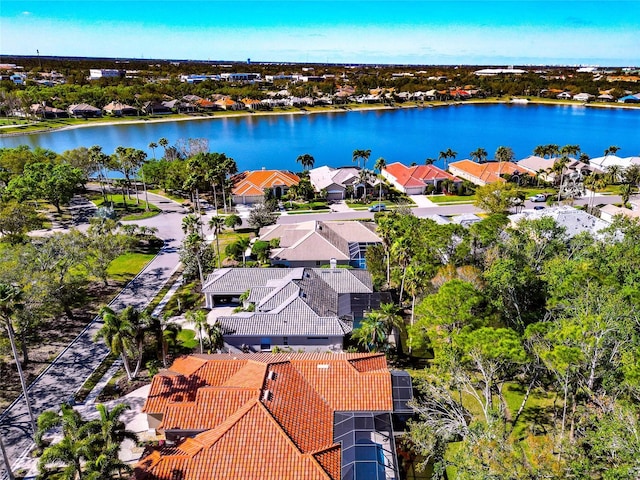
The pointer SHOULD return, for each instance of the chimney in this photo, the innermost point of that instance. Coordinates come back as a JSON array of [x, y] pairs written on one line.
[[333, 262]]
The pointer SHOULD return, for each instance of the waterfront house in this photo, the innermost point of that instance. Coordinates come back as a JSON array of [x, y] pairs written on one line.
[[630, 99], [44, 111], [300, 308], [564, 96], [227, 103], [156, 108], [416, 179], [336, 181], [584, 97], [250, 187], [316, 243], [485, 173], [119, 109], [84, 110], [317, 416]]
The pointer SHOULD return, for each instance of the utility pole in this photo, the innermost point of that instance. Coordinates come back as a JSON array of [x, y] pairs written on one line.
[[39, 62]]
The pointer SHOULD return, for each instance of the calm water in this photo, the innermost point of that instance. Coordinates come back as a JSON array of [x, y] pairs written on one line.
[[405, 135]]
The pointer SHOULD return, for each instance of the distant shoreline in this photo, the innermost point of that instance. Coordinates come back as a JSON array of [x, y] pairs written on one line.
[[315, 111]]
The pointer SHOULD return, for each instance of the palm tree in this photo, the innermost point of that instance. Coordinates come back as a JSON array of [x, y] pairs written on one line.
[[570, 150], [106, 465], [10, 303], [118, 334], [77, 444], [626, 190], [191, 224], [216, 225], [306, 160], [540, 151], [361, 155], [163, 142], [615, 173], [504, 154], [372, 333], [558, 168], [446, 155], [199, 319], [153, 146], [112, 429], [612, 150], [215, 335], [429, 161], [380, 165], [479, 154], [194, 245]]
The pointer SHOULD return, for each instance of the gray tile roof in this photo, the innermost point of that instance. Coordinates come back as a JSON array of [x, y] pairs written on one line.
[[265, 325], [298, 301]]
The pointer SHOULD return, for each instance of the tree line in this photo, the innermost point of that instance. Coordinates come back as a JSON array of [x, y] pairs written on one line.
[[532, 339]]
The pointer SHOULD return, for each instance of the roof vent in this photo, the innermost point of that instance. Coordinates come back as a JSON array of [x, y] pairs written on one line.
[[271, 375], [266, 396], [323, 366]]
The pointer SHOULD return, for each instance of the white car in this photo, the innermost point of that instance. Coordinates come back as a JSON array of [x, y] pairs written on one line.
[[538, 197]]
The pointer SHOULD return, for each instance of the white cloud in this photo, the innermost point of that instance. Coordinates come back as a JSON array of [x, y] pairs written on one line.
[[26, 13]]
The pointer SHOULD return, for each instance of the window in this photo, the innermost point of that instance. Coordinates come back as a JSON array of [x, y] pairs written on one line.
[[285, 341], [265, 344]]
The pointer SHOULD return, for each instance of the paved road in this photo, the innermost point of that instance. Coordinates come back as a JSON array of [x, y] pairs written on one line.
[[424, 211], [71, 368]]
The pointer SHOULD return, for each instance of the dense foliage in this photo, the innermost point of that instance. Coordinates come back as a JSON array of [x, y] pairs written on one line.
[[534, 339]]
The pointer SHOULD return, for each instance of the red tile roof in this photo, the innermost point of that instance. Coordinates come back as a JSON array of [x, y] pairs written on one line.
[[254, 183], [487, 172], [417, 175], [267, 416]]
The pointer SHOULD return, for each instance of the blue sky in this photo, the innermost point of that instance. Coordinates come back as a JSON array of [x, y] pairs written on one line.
[[377, 31]]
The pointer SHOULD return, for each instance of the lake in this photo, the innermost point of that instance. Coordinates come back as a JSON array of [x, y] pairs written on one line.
[[405, 134]]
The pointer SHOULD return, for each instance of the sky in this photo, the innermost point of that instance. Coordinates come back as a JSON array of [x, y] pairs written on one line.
[[502, 32]]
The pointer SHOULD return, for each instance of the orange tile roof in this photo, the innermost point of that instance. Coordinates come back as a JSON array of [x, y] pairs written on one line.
[[254, 183], [287, 433], [417, 175], [487, 172]]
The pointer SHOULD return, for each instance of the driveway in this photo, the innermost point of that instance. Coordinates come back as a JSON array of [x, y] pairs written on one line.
[[422, 201]]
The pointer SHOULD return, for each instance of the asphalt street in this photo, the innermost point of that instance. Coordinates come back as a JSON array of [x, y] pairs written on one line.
[[58, 383]]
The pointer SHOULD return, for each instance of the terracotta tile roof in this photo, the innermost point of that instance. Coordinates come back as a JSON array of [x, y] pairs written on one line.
[[487, 172], [417, 175], [254, 183], [285, 433], [301, 412], [345, 388], [211, 406], [329, 459]]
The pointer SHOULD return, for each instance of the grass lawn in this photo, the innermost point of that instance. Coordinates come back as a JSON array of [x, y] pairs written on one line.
[[187, 338], [452, 198], [185, 298], [132, 211], [171, 196], [128, 265]]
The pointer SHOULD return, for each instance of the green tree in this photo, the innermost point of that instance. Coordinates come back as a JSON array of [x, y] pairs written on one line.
[[496, 197], [54, 183], [261, 216], [118, 332], [504, 154], [480, 155], [233, 221], [361, 155], [380, 165], [371, 334], [216, 225], [199, 319], [16, 219], [76, 446], [306, 160]]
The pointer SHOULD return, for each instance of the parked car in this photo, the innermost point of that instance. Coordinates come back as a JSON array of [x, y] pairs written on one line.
[[539, 197], [380, 207], [538, 207]]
